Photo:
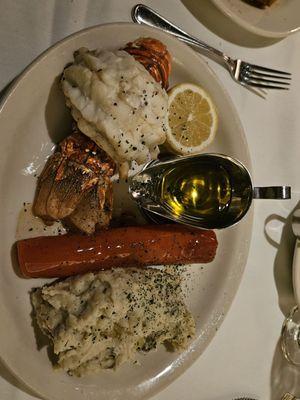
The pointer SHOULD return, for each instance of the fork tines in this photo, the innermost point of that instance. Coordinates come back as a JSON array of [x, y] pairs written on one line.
[[267, 78], [273, 71]]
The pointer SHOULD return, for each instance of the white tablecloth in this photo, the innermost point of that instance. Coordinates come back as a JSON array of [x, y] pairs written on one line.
[[244, 358]]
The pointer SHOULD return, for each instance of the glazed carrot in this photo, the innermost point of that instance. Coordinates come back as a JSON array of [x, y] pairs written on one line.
[[62, 256]]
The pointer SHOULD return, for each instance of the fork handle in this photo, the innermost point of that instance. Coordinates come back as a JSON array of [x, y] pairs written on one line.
[[145, 15]]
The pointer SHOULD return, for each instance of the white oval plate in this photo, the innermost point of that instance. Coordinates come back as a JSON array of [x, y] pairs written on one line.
[[31, 116], [279, 20]]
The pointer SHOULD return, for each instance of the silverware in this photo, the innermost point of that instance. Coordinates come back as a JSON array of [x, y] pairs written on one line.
[[288, 396], [210, 191], [242, 72]]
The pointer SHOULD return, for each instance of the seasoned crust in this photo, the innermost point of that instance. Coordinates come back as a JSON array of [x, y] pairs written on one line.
[[77, 170]]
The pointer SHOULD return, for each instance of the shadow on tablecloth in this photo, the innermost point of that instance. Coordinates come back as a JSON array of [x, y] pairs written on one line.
[[283, 264], [224, 27], [285, 377], [5, 89]]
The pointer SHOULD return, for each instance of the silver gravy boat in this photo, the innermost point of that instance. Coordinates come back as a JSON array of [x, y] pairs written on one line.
[[210, 191]]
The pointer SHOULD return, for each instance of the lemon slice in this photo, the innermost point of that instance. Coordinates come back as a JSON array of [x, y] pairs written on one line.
[[192, 119]]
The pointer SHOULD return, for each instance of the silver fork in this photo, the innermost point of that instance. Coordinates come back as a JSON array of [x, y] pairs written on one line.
[[242, 72]]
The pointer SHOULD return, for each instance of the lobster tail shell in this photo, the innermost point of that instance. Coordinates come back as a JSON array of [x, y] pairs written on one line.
[[154, 56]]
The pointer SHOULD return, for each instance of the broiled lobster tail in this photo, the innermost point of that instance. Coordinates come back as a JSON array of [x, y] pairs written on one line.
[[154, 56], [75, 185]]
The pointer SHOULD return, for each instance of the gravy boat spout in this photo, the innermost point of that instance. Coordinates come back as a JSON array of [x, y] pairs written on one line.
[[210, 191]]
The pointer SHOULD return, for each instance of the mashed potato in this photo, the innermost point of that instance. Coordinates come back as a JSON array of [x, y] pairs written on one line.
[[101, 320], [118, 104]]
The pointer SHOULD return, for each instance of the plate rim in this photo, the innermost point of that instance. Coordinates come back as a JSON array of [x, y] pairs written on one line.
[[252, 28], [194, 354]]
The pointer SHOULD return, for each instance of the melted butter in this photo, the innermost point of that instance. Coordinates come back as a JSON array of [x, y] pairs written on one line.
[[199, 191]]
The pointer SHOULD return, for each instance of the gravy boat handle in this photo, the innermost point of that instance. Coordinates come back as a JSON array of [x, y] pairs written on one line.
[[272, 192]]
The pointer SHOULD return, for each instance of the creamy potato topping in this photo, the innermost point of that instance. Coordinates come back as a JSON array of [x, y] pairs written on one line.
[[101, 320]]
